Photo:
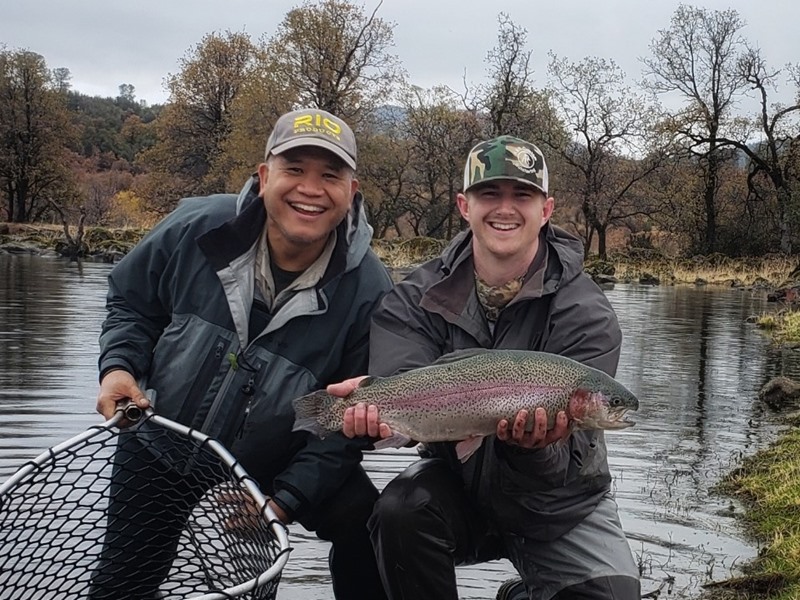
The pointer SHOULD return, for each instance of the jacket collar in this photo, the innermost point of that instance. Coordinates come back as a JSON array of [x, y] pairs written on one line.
[[453, 296]]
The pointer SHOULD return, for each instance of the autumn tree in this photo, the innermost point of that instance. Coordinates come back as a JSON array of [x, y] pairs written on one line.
[[263, 98], [99, 186], [696, 59], [328, 55], [194, 125], [774, 155], [336, 57], [441, 134], [612, 148], [34, 136], [508, 103], [386, 156]]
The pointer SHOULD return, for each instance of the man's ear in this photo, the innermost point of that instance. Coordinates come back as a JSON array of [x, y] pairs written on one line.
[[263, 175], [463, 206], [353, 187], [547, 209]]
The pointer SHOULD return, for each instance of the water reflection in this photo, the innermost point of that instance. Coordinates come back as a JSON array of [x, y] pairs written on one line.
[[687, 353], [50, 315], [697, 366]]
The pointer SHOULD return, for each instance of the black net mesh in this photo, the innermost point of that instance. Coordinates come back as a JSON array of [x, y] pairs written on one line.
[[142, 513]]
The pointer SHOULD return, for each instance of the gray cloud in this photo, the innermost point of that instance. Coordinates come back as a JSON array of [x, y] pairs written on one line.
[[105, 44]]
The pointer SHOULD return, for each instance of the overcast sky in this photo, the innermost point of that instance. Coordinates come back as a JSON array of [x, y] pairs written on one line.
[[105, 43]]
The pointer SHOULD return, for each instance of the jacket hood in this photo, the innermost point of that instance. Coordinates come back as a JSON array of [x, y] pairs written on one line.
[[568, 248], [354, 230]]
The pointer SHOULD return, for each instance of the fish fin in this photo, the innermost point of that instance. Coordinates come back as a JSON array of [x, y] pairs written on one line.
[[468, 447], [309, 408], [311, 425], [396, 440], [367, 381], [457, 355]]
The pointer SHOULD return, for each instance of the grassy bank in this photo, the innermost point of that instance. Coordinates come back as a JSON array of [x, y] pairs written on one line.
[[769, 486], [783, 326], [768, 483], [715, 269]]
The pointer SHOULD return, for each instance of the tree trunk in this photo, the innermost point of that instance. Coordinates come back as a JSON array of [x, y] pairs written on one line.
[[710, 196], [74, 247], [10, 202], [601, 242], [784, 202], [18, 215]]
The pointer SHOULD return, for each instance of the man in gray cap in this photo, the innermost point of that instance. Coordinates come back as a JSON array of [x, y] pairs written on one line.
[[512, 281], [229, 309]]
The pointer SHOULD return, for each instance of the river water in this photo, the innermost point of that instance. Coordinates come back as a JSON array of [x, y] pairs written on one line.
[[688, 354]]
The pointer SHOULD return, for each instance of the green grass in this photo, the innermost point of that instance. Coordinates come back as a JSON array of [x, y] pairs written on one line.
[[769, 485], [784, 327]]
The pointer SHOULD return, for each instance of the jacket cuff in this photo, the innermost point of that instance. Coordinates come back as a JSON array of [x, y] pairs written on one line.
[[291, 504], [114, 364]]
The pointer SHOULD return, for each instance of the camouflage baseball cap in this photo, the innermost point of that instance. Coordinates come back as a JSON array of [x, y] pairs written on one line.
[[506, 157], [313, 127]]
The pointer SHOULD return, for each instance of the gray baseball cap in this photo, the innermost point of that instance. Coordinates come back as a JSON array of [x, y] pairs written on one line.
[[313, 127]]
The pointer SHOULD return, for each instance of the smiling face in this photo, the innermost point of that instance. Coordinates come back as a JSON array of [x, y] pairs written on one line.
[[307, 191], [505, 217]]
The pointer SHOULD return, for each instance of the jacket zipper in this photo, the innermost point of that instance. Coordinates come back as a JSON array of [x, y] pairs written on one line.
[[200, 385], [249, 391]]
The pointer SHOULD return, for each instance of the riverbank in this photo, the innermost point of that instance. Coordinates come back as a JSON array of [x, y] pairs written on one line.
[[768, 484], [97, 243], [648, 267]]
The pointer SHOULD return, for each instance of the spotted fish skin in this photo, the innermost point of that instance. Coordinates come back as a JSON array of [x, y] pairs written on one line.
[[466, 394]]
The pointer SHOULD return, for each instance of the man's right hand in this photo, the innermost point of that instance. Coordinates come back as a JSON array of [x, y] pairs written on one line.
[[118, 386], [360, 419]]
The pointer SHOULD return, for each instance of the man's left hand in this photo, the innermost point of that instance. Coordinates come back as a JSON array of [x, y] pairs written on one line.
[[539, 436]]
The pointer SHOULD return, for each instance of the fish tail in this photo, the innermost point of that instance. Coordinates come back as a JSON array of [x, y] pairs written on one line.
[[312, 410]]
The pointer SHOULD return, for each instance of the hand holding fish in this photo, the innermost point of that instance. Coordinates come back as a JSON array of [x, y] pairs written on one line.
[[539, 436], [361, 419]]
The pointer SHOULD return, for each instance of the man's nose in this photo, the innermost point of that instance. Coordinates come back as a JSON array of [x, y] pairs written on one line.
[[506, 203], [311, 184]]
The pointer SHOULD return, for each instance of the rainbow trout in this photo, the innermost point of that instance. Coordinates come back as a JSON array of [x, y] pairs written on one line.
[[462, 396]]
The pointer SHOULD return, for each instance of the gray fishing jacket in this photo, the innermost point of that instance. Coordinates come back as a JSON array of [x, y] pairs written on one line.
[[178, 318], [538, 493]]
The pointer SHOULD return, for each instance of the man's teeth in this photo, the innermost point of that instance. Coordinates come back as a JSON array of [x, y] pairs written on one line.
[[308, 207], [504, 226]]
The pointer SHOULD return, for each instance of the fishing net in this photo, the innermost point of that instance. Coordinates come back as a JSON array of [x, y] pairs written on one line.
[[155, 511]]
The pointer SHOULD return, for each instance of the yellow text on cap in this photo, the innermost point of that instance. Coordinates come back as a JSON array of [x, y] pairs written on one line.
[[318, 124]]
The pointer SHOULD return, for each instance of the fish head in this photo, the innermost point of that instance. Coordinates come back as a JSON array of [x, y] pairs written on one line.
[[603, 405]]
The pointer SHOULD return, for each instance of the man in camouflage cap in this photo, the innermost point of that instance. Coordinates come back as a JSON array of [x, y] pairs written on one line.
[[513, 281]]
